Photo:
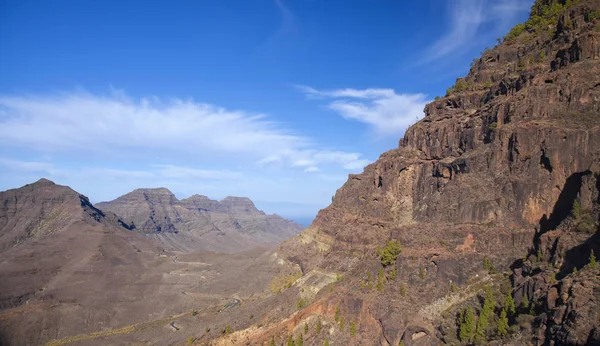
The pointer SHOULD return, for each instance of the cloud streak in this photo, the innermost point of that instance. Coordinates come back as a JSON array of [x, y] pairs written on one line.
[[469, 19], [387, 112], [83, 122]]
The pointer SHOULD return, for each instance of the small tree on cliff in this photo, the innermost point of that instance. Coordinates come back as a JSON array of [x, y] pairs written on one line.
[[467, 325], [593, 264], [390, 252], [509, 304], [503, 323]]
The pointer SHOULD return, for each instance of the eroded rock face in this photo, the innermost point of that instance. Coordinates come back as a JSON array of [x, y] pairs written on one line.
[[199, 223], [492, 167]]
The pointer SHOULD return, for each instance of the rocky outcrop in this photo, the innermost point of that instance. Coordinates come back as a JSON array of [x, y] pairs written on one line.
[[493, 166], [199, 223]]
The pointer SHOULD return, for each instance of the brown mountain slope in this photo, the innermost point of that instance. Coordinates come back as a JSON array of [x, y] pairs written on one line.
[[72, 273], [199, 223], [472, 188]]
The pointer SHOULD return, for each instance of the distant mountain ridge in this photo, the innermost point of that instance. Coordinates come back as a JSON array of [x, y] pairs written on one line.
[[233, 224]]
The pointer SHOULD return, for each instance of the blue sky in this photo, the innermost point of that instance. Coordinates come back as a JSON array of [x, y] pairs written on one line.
[[277, 100]]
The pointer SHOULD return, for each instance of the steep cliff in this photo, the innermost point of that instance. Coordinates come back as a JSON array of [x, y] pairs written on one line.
[[199, 223], [471, 190]]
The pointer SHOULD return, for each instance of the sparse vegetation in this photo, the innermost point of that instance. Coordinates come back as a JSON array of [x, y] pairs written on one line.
[[305, 328], [525, 303], [352, 328], [326, 342], [576, 211], [593, 264], [301, 303], [453, 288], [493, 126], [403, 290], [337, 314], [380, 280], [393, 274], [487, 85], [319, 325], [190, 340], [422, 273], [290, 341], [342, 323], [282, 282], [299, 340], [390, 252]]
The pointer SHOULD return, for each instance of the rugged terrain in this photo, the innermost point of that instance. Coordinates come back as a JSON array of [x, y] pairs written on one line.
[[500, 176], [71, 273], [482, 227], [199, 223]]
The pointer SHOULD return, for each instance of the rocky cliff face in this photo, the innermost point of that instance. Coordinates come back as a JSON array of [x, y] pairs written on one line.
[[497, 163], [199, 223]]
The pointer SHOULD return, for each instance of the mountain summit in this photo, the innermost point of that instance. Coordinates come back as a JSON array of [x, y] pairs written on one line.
[[199, 223]]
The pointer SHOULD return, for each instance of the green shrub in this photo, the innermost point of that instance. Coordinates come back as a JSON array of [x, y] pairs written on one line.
[[487, 264], [290, 341], [593, 264], [515, 32], [586, 224], [272, 342], [326, 343], [393, 274], [319, 325], [492, 127], [300, 304], [380, 280], [299, 340], [403, 290], [390, 252], [487, 85]]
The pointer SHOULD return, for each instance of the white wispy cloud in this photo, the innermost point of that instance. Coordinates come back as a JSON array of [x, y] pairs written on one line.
[[470, 19], [83, 122], [386, 111]]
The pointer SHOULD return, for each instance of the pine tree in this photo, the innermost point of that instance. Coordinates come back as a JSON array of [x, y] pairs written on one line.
[[593, 264], [393, 274], [509, 304], [503, 323], [482, 324], [467, 325]]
